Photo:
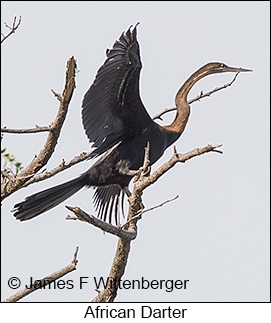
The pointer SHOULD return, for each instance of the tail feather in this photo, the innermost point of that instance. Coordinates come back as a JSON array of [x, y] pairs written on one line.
[[43, 201]]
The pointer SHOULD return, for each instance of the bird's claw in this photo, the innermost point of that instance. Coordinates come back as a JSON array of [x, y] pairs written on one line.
[[142, 172]]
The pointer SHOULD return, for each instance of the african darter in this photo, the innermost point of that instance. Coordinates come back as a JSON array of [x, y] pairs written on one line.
[[117, 123]]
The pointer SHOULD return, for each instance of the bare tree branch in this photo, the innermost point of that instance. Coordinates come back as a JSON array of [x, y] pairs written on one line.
[[39, 161], [61, 167], [176, 158], [197, 98], [26, 131], [110, 228], [117, 271], [12, 28], [106, 227], [44, 281]]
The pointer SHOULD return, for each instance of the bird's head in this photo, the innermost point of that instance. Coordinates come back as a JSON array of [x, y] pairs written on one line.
[[212, 68]]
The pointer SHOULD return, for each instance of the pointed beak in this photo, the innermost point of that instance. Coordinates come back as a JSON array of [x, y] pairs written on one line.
[[237, 69]]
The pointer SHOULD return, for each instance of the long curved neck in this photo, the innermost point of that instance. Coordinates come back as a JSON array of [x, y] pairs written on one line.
[[183, 108]]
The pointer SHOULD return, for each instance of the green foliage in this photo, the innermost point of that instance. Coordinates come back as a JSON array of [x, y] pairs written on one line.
[[8, 160]]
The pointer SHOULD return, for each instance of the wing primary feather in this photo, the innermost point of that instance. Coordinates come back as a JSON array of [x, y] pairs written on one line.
[[122, 203], [111, 210], [117, 219]]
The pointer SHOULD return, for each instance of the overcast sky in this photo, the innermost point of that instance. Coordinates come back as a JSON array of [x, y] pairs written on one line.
[[216, 234]]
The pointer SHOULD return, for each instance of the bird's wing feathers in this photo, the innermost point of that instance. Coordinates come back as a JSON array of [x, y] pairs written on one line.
[[107, 202], [112, 108]]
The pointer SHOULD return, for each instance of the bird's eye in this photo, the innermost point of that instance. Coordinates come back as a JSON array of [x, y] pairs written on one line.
[[222, 65]]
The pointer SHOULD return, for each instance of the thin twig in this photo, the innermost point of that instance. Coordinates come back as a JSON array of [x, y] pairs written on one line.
[[203, 95], [41, 283], [75, 255], [57, 95], [148, 210], [197, 98], [12, 29]]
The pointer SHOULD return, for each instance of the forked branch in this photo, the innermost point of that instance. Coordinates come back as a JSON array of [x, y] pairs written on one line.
[[12, 28], [176, 158]]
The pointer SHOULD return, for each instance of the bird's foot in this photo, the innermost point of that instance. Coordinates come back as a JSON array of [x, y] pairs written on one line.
[[123, 169], [142, 172]]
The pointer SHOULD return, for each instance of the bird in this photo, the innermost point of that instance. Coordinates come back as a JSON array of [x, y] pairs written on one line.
[[119, 128]]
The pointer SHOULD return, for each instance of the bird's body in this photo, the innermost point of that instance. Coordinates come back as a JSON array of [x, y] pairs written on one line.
[[112, 173], [117, 123]]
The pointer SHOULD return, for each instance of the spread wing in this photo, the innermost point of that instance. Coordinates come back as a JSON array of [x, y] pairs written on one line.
[[112, 109]]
